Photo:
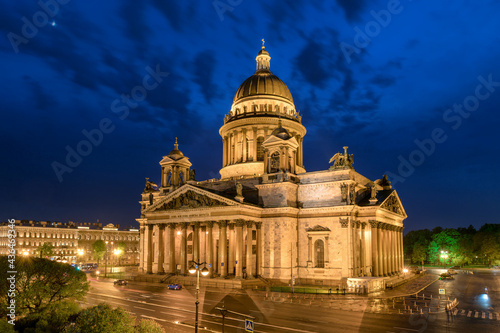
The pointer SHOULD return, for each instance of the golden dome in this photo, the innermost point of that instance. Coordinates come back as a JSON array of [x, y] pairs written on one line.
[[263, 82]]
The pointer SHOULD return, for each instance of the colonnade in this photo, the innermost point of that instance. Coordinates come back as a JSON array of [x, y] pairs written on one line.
[[379, 247], [225, 250], [241, 145]]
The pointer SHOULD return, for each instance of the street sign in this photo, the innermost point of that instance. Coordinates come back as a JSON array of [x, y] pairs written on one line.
[[248, 325], [441, 291]]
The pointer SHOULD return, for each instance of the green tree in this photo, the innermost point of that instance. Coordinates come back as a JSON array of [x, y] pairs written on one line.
[[45, 250], [52, 318], [99, 248], [149, 326], [102, 318], [446, 240], [39, 283], [5, 327], [490, 248], [122, 247], [419, 253]]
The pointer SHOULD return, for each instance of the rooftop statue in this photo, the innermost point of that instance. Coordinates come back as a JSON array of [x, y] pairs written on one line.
[[342, 161]]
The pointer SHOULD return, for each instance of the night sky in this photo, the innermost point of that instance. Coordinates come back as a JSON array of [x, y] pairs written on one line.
[[412, 87]]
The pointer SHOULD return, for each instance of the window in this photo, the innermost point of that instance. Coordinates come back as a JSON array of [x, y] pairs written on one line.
[[319, 253]]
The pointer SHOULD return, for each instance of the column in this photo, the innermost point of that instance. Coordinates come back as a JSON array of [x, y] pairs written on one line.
[[223, 247], [362, 249], [239, 249], [380, 253], [402, 259], [230, 255], [141, 249], [149, 267], [161, 248], [196, 242], [249, 264], [388, 249], [238, 149], [254, 152], [394, 250], [224, 151], [350, 231], [171, 247], [244, 145], [184, 248], [209, 250], [374, 225], [382, 241], [327, 252], [266, 161], [300, 152], [258, 258], [310, 259]]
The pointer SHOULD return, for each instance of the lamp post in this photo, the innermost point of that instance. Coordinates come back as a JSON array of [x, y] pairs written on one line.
[[117, 252], [106, 262], [80, 254], [444, 256], [195, 268]]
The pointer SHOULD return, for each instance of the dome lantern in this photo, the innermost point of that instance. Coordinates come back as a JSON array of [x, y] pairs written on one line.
[[263, 59]]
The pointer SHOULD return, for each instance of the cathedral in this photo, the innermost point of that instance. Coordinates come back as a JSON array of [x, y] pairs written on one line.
[[267, 217]]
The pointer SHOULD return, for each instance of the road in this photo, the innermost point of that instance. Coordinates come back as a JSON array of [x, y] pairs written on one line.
[[174, 309]]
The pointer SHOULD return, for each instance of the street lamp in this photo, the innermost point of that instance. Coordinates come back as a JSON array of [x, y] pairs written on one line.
[[444, 256], [117, 252], [80, 253], [195, 268]]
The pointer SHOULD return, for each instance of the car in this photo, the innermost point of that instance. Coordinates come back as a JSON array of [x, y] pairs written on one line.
[[174, 286], [120, 282], [446, 276], [455, 267], [452, 271]]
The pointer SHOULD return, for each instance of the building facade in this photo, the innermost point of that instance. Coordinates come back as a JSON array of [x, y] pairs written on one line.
[[266, 216], [72, 242]]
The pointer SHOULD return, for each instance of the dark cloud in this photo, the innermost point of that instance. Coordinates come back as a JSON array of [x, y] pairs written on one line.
[[136, 24], [383, 80], [204, 66], [352, 8], [173, 13]]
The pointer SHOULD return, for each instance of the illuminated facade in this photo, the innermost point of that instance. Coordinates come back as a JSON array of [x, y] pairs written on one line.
[[72, 242], [266, 216]]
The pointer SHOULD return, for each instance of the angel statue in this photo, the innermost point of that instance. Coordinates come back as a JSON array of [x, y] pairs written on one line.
[[150, 186], [342, 161]]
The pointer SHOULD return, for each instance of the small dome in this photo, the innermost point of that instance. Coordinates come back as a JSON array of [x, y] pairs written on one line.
[[281, 132], [263, 83], [175, 153]]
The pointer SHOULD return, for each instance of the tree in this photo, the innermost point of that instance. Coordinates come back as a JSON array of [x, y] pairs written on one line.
[[149, 326], [490, 248], [39, 283], [419, 253], [446, 240], [99, 248], [46, 250], [102, 318], [122, 247], [52, 318]]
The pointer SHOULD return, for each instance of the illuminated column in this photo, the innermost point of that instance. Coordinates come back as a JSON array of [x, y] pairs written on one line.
[[196, 242], [254, 153], [374, 230], [238, 151], [239, 249], [171, 247], [149, 268], [258, 254], [383, 241], [300, 152], [161, 248], [402, 261], [224, 151], [223, 247], [249, 263], [380, 254], [394, 249], [183, 248], [209, 249], [266, 161], [362, 249], [230, 255], [141, 249], [244, 145]]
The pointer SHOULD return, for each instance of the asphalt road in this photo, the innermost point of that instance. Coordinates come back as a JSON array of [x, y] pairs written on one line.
[[175, 309]]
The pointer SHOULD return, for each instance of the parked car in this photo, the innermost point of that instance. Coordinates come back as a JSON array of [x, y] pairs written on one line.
[[451, 271], [446, 276], [120, 282], [455, 267], [174, 286]]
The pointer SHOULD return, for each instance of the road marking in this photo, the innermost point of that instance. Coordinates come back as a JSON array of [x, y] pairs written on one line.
[[462, 312], [154, 318], [469, 313], [483, 315], [476, 314], [138, 307]]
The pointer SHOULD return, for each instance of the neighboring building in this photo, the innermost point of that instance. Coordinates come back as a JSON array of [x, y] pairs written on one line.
[[267, 216], [72, 241]]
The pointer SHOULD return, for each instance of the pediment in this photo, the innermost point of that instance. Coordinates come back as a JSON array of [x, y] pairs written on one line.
[[189, 197], [317, 228], [271, 140], [393, 204]]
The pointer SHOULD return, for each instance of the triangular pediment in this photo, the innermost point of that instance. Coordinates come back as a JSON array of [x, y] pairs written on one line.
[[317, 228], [189, 197], [271, 140], [393, 204]]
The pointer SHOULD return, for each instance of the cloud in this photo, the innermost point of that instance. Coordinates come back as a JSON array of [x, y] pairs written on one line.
[[174, 14], [352, 8], [203, 66]]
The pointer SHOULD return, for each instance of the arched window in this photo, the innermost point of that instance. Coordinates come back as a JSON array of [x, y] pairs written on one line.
[[275, 162], [260, 150], [319, 253]]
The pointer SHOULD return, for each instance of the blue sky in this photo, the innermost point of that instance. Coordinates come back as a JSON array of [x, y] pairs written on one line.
[[65, 69]]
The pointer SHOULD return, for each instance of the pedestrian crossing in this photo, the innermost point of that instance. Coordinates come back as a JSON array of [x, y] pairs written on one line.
[[478, 314]]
